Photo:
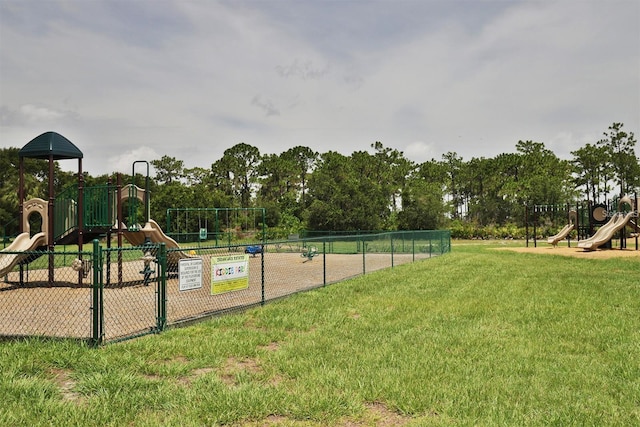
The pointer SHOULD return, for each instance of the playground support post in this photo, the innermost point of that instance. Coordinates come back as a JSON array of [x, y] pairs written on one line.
[[569, 222], [50, 243], [120, 232], [146, 187], [526, 223], [80, 220], [535, 231], [634, 208]]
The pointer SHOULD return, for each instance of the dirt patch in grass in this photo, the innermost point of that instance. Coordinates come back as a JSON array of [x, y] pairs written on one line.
[[577, 252], [382, 416], [272, 346], [233, 366], [65, 384], [375, 414], [194, 375]]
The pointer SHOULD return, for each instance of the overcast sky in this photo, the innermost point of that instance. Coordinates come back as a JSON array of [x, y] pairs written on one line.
[[136, 80]]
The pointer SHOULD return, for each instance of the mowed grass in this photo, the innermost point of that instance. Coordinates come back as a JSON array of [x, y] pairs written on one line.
[[476, 337]]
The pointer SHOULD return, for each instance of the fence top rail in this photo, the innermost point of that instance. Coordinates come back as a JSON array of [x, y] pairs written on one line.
[[415, 234]]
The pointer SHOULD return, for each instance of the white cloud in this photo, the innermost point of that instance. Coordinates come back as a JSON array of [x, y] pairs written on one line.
[[35, 113], [419, 151], [124, 162]]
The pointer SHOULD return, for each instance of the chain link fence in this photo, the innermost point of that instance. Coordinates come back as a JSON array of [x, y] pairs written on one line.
[[111, 294], [46, 294]]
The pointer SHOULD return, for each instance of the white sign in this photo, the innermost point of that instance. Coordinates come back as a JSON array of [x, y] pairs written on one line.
[[190, 274]]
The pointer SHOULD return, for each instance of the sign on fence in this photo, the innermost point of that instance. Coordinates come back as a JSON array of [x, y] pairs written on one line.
[[229, 273], [190, 273]]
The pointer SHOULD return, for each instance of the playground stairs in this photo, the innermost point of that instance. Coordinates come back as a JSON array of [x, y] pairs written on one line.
[[71, 236]]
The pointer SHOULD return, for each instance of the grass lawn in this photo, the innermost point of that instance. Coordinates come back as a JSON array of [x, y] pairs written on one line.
[[476, 337]]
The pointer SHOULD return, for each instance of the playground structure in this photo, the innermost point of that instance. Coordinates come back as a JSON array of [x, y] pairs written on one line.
[[570, 215], [309, 252], [594, 225], [254, 250], [26, 247], [616, 223], [78, 215]]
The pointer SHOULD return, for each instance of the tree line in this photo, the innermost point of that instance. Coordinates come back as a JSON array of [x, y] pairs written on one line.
[[378, 189]]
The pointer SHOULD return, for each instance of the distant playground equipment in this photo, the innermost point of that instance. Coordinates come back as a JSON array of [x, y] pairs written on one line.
[[309, 252], [225, 226], [147, 271], [552, 214], [616, 223], [254, 250], [24, 248], [148, 235], [80, 214], [594, 224], [81, 265], [564, 233]]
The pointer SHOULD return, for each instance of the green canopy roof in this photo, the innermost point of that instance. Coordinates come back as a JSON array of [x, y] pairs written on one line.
[[50, 143]]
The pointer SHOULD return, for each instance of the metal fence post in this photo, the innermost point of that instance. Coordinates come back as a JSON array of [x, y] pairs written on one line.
[[391, 239], [364, 251], [413, 246], [97, 300], [161, 321], [262, 300], [324, 262]]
